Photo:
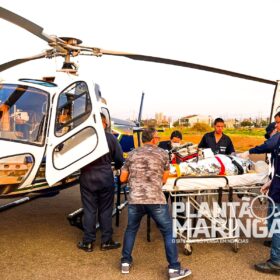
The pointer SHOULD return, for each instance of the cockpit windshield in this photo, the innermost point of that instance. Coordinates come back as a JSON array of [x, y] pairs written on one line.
[[23, 113]]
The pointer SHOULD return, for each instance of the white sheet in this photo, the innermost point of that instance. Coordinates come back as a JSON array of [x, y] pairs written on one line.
[[189, 184]]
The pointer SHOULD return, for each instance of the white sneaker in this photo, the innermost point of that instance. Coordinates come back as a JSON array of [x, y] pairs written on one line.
[[125, 268], [175, 274]]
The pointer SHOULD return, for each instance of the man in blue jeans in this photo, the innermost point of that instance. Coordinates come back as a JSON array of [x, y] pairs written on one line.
[[146, 169]]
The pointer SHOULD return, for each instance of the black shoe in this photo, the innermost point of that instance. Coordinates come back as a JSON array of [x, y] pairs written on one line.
[[267, 243], [110, 245], [86, 246], [268, 267]]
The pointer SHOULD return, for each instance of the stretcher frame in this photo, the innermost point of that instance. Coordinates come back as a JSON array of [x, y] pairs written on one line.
[[190, 197]]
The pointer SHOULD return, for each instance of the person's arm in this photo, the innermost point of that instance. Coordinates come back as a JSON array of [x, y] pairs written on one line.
[[125, 169], [267, 147], [124, 176], [230, 148], [265, 188], [203, 143], [115, 150], [166, 169], [165, 176], [118, 157]]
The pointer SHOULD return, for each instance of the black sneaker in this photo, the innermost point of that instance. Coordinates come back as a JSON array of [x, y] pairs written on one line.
[[86, 246], [175, 274], [268, 267], [109, 245], [267, 243]]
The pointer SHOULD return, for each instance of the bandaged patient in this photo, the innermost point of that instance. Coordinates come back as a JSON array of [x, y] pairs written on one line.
[[209, 164]]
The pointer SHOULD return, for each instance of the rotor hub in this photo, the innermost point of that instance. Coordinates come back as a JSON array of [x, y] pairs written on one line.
[[71, 41]]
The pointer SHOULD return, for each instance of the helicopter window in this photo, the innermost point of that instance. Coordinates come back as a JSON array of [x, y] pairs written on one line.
[[21, 113], [39, 82], [74, 107]]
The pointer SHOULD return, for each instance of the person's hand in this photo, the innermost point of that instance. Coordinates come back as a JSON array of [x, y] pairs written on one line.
[[244, 155], [264, 189]]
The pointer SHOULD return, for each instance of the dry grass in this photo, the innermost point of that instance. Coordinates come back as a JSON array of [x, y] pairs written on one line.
[[241, 142], [243, 139]]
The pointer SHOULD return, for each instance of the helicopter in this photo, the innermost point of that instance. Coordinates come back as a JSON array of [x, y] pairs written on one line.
[[51, 127]]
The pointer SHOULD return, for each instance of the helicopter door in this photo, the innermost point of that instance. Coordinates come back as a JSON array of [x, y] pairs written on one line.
[[76, 134]]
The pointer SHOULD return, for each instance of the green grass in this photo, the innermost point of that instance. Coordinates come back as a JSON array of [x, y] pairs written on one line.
[[246, 131]]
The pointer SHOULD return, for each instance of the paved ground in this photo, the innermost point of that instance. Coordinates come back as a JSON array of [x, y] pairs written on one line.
[[37, 242]]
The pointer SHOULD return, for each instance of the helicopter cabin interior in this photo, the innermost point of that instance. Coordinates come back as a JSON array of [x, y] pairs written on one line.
[[22, 113]]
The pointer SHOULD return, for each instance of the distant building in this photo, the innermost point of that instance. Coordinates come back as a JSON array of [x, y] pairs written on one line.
[[232, 123], [150, 122], [165, 123], [159, 117], [162, 120], [190, 120]]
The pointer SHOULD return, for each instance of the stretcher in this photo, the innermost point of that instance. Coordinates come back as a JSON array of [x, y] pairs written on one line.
[[193, 191]]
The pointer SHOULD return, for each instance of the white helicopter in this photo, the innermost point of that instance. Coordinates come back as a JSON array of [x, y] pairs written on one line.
[[51, 127]]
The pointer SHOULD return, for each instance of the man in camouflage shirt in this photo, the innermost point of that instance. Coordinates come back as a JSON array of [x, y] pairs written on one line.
[[146, 169]]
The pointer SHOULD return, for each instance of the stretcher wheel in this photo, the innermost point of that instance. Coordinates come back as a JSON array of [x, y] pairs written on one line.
[[235, 246], [188, 250]]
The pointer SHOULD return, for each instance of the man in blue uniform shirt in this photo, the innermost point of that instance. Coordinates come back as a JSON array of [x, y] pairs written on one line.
[[217, 140], [97, 192], [273, 189], [272, 145]]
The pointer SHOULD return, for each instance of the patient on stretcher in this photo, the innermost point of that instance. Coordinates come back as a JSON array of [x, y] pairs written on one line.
[[208, 164]]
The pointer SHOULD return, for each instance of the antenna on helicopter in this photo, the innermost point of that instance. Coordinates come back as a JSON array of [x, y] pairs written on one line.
[[138, 122], [140, 110]]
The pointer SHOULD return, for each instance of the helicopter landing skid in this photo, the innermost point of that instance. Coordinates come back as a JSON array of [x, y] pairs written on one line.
[[76, 218], [26, 199]]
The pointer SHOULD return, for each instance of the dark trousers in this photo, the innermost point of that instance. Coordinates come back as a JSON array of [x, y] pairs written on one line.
[[97, 202], [274, 224]]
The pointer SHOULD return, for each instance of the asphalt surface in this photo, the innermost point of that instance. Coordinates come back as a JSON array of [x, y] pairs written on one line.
[[37, 242]]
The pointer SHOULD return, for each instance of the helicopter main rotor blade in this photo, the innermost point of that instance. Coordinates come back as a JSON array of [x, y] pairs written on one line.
[[100, 52], [188, 65], [27, 25], [74, 49], [15, 62]]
